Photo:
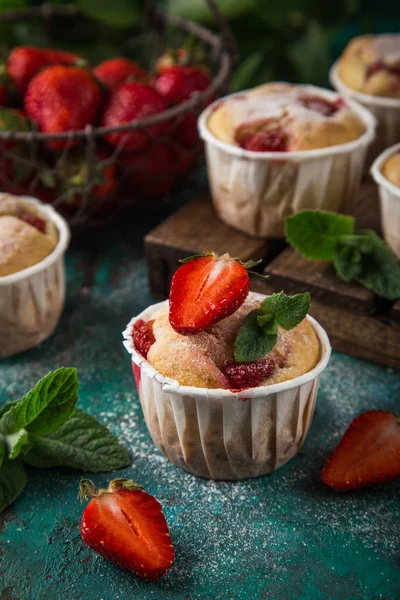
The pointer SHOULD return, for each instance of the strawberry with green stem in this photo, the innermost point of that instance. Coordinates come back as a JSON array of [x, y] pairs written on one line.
[[126, 525]]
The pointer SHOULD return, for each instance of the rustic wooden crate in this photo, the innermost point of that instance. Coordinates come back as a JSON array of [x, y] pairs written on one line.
[[357, 322]]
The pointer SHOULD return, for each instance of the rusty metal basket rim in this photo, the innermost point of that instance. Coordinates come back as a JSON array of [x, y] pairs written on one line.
[[218, 43]]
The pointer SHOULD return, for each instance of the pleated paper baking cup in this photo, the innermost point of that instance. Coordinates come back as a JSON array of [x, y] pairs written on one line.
[[389, 195], [385, 110], [219, 434], [31, 300], [255, 191]]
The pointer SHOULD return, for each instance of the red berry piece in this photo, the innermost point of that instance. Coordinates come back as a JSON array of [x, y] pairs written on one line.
[[33, 220], [368, 453], [381, 66], [241, 376], [126, 525], [206, 290], [143, 337], [266, 141], [320, 105]]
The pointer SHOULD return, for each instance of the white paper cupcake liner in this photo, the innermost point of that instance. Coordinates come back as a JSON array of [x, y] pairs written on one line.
[[219, 434], [389, 195], [385, 110], [255, 191], [31, 300]]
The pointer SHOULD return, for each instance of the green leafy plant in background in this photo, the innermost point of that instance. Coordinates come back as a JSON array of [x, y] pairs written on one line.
[[293, 40]]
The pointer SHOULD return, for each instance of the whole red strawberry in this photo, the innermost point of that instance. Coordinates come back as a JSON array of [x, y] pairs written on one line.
[[129, 102], [152, 171], [368, 453], [206, 290], [114, 72], [178, 83], [127, 526], [62, 99], [24, 62]]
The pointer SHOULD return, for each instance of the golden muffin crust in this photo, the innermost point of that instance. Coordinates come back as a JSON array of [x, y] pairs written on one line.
[[196, 360], [22, 244], [391, 169], [371, 64], [306, 119]]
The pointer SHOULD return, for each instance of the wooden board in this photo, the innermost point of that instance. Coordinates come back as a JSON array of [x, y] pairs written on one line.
[[357, 322]]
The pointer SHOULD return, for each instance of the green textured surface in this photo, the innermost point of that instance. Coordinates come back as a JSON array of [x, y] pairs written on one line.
[[278, 537]]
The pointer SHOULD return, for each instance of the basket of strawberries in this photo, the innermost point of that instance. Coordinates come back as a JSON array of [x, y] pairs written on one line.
[[93, 140]]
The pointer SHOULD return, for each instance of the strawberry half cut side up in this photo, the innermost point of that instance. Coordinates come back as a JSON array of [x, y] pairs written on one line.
[[143, 337], [368, 454], [206, 290], [126, 525]]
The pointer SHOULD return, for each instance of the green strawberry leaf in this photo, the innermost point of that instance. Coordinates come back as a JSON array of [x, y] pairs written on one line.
[[17, 443], [81, 443], [49, 404], [288, 311], [252, 342], [10, 120], [315, 233], [12, 481]]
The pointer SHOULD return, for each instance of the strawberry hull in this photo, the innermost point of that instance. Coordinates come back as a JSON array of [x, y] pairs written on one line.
[[214, 433]]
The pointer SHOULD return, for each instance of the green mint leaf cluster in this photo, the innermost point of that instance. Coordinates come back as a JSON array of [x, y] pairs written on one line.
[[45, 429], [258, 332], [357, 255]]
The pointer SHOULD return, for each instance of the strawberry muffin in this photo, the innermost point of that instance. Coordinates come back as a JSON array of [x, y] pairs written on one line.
[[227, 378], [279, 148], [371, 64], [369, 72], [33, 240]]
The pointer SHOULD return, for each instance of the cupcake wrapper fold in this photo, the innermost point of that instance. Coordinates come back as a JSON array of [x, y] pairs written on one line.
[[223, 435], [389, 195]]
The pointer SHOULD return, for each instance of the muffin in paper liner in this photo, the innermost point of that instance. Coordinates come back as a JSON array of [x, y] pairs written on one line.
[[219, 434], [389, 195], [385, 110], [255, 191], [32, 300]]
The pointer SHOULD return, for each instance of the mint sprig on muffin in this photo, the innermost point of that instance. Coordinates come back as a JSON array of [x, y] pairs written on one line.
[[258, 333], [357, 255]]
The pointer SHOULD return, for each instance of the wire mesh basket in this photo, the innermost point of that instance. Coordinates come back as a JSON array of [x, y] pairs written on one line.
[[91, 180]]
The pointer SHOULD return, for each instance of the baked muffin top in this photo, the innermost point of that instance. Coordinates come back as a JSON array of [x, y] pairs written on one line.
[[391, 168], [203, 359], [371, 64], [282, 117], [27, 236]]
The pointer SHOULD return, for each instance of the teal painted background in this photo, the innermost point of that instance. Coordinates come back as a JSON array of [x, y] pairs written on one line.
[[279, 537]]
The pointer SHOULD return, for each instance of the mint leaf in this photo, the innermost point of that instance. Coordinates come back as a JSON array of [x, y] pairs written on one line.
[[49, 404], [268, 323], [2, 448], [315, 233], [7, 406], [81, 443], [12, 481], [288, 311], [252, 342], [379, 269], [17, 443]]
